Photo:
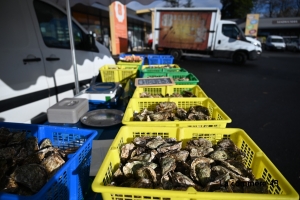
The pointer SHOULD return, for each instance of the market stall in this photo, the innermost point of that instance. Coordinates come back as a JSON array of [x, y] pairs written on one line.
[[153, 140]]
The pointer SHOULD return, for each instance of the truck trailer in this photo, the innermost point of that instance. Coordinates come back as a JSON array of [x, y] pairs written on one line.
[[200, 32]]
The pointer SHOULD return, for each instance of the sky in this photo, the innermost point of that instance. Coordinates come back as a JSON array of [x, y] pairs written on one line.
[[159, 3]]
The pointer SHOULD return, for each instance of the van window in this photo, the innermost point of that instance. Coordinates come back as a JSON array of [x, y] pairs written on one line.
[[54, 27], [278, 40], [231, 30]]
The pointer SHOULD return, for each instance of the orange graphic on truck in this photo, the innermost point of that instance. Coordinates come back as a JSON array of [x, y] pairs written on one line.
[[184, 30]]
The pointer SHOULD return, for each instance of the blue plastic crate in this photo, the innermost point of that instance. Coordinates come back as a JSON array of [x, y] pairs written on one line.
[[154, 59], [71, 181], [166, 59]]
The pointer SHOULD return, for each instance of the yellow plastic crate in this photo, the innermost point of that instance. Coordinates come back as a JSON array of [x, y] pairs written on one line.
[[140, 63], [118, 73], [195, 89], [138, 104], [260, 164]]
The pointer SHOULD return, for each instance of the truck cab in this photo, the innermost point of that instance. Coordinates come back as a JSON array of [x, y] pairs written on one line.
[[231, 43]]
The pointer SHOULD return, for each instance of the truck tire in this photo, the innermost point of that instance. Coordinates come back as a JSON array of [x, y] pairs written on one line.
[[239, 58], [176, 53]]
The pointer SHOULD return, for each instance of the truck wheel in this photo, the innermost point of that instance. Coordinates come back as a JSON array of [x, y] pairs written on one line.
[[176, 54], [239, 58]]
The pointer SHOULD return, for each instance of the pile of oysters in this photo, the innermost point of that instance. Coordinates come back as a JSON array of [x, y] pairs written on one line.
[[26, 166], [185, 93], [162, 163], [168, 111]]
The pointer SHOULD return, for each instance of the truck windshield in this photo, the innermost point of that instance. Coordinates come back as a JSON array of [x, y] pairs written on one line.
[[232, 31]]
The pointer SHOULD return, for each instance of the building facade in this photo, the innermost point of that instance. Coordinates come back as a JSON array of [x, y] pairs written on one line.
[[96, 19], [287, 27]]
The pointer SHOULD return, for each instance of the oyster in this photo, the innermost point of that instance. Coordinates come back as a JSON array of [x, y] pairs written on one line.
[[166, 183], [17, 138], [142, 183], [9, 152], [5, 135], [31, 145], [196, 151], [33, 176], [186, 93], [137, 151], [143, 157], [130, 168], [141, 141], [179, 156], [181, 180], [219, 155], [155, 142], [176, 95], [167, 164], [169, 147], [200, 163], [52, 163], [222, 170], [3, 168], [126, 150], [147, 173], [46, 143], [181, 113], [166, 107]]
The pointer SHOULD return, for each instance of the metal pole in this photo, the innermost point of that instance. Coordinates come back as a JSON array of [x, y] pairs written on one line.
[[72, 46]]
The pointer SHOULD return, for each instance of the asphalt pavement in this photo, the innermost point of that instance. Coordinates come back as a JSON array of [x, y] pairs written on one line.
[[262, 98]]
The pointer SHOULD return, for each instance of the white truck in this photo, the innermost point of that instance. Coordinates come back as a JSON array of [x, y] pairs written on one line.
[[36, 69], [201, 32]]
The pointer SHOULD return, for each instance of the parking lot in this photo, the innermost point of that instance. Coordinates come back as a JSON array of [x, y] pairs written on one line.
[[262, 98]]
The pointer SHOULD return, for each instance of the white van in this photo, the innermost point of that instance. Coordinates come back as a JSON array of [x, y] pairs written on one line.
[[36, 68], [275, 42]]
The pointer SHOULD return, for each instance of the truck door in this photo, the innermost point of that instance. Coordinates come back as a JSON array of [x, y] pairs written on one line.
[[53, 36], [228, 40], [24, 89]]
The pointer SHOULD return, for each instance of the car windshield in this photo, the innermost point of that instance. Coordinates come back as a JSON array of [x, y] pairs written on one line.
[[277, 40]]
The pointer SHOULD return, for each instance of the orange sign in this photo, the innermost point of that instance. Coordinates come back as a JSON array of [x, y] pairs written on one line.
[[252, 24], [118, 27], [184, 30]]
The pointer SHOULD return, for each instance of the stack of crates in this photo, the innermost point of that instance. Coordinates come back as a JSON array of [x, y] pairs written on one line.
[[119, 73], [213, 129]]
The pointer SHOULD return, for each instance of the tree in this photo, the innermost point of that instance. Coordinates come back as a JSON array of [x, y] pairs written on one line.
[[189, 4], [278, 8], [236, 8], [172, 3]]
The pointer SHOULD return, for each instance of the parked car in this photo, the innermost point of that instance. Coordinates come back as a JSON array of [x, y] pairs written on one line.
[[293, 44], [275, 42]]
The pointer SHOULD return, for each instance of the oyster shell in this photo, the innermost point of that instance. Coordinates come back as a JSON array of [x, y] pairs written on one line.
[[17, 138], [181, 180], [5, 135], [126, 150], [33, 176], [166, 107], [219, 155], [167, 164], [52, 163], [155, 142]]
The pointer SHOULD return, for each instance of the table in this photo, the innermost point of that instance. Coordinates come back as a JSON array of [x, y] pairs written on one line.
[[105, 135]]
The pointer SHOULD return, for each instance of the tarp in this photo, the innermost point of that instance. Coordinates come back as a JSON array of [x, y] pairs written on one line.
[[102, 2]]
